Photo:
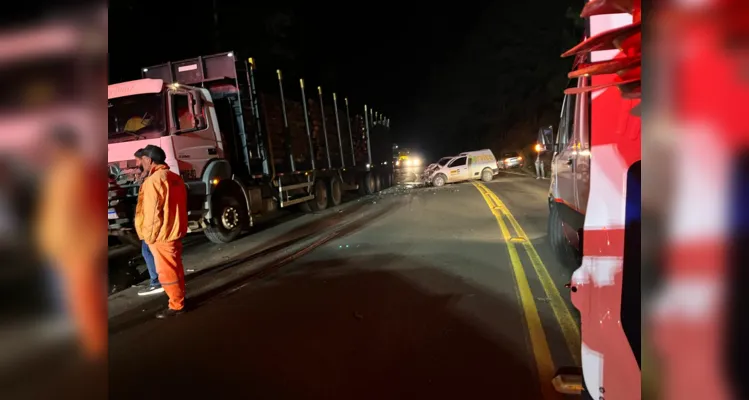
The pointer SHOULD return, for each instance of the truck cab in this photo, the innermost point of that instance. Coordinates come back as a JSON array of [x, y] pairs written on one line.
[[180, 119]]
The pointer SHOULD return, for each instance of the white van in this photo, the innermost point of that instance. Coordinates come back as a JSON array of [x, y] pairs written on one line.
[[466, 166]]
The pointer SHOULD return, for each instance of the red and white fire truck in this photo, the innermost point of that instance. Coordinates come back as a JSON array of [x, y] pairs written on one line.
[[594, 198]]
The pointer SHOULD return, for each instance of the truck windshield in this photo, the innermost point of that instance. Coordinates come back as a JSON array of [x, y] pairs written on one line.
[[136, 117], [443, 161]]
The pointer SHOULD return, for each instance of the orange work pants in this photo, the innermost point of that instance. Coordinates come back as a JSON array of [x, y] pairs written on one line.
[[84, 281], [168, 260]]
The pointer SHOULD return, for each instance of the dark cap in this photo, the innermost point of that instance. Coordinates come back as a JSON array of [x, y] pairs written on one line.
[[139, 153], [155, 153]]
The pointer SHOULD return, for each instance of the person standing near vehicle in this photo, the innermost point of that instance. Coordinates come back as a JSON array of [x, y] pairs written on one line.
[[161, 222], [539, 162], [69, 201], [154, 287]]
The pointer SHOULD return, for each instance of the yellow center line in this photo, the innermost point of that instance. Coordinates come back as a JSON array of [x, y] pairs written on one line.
[[539, 344], [567, 324]]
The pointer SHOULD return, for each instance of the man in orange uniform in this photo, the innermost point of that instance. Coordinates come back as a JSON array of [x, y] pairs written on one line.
[[69, 199], [161, 221]]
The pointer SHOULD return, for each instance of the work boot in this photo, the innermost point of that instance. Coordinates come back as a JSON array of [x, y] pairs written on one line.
[[169, 313], [151, 289]]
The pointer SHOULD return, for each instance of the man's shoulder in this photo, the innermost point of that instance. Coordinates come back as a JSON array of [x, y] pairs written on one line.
[[159, 175]]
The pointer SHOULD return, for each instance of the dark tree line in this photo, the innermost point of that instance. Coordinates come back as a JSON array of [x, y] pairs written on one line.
[[484, 75]]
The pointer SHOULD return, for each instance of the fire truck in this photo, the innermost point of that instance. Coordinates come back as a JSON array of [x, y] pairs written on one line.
[[594, 198]]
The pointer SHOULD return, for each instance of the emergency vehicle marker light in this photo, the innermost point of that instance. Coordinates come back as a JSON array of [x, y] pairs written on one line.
[[145, 69], [230, 55], [214, 181]]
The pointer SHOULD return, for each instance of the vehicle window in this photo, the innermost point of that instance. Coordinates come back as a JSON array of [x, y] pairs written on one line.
[[509, 155], [182, 116], [135, 117], [566, 128], [443, 161], [458, 162]]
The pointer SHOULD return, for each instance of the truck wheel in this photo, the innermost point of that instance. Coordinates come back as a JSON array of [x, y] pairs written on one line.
[[378, 182], [227, 222], [565, 252], [367, 184], [486, 175], [335, 191], [439, 180], [320, 202]]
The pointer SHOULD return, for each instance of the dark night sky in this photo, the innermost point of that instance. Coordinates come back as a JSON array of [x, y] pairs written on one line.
[[476, 74]]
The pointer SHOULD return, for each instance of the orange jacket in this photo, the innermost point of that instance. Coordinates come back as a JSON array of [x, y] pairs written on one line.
[[69, 211], [161, 213]]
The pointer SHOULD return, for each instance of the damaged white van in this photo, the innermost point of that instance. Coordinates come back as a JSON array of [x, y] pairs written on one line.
[[466, 166]]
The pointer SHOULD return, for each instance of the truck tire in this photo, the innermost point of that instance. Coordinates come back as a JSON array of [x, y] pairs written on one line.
[[378, 182], [565, 252], [439, 180], [335, 191], [320, 202], [228, 221], [487, 175], [367, 184]]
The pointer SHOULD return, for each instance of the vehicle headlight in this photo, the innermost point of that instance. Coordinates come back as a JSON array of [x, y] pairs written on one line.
[[408, 162], [397, 163], [417, 161]]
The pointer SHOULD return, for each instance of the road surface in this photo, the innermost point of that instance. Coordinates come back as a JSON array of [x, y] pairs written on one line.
[[413, 293]]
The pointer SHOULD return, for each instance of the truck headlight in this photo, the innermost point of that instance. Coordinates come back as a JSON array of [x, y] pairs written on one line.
[[417, 162]]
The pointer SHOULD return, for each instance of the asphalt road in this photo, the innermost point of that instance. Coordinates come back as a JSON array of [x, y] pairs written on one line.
[[412, 293]]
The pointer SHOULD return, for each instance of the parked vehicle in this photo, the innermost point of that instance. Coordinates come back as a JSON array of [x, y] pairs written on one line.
[[511, 160], [242, 152], [465, 166], [594, 199]]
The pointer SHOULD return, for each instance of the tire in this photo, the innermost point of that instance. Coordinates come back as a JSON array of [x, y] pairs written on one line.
[[487, 175], [378, 182], [568, 256], [439, 180], [335, 191], [320, 202], [228, 221], [367, 184]]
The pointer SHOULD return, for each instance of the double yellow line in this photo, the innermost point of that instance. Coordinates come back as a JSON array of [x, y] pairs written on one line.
[[568, 326]]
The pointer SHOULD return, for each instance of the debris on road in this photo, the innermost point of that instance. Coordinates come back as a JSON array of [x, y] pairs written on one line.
[[358, 316], [190, 270]]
